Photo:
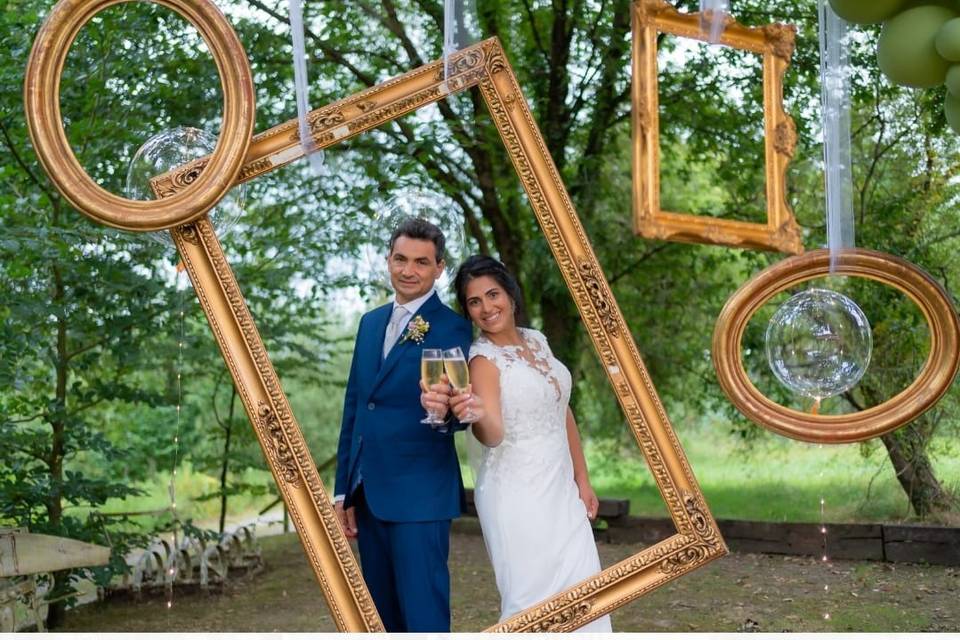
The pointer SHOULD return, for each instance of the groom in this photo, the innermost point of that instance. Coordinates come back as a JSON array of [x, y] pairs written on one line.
[[398, 481]]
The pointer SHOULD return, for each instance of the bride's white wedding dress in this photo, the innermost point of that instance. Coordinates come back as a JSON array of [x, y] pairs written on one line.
[[534, 523]]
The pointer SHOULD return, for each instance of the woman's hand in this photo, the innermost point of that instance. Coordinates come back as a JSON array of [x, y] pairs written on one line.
[[467, 406], [436, 398], [589, 497]]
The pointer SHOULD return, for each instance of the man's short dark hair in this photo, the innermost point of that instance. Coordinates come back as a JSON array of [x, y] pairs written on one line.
[[420, 229]]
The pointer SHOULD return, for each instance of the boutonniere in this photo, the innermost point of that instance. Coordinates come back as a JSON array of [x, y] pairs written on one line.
[[416, 330]]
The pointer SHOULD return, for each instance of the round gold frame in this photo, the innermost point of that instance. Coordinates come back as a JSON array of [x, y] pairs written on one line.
[[932, 382], [42, 104]]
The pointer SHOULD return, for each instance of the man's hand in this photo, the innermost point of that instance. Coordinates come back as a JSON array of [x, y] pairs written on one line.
[[347, 518], [436, 398]]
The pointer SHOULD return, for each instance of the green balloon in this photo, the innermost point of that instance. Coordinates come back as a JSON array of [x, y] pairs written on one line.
[[948, 40], [953, 80], [951, 107], [907, 50], [866, 11], [910, 4]]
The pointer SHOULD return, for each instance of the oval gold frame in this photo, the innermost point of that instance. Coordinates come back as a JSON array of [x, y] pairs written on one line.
[[932, 382], [42, 105]]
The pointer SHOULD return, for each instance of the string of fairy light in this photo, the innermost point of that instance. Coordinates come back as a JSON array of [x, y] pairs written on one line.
[[176, 437], [824, 556]]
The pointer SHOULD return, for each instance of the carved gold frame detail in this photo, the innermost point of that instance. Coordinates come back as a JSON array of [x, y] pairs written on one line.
[[484, 65], [775, 43]]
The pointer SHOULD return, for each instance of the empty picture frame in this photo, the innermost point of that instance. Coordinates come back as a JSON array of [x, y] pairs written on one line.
[[775, 43]]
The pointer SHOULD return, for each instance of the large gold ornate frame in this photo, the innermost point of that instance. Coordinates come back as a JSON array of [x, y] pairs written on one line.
[[484, 65], [775, 43]]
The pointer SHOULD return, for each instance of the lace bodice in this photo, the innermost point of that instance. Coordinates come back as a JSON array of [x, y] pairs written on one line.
[[534, 393]]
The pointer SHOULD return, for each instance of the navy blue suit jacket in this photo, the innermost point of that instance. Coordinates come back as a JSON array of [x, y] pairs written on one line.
[[410, 472]]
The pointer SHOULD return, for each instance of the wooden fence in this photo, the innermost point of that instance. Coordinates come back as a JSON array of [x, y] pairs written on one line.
[[879, 542]]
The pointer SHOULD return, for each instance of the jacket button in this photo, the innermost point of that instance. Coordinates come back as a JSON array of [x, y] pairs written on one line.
[[371, 406]]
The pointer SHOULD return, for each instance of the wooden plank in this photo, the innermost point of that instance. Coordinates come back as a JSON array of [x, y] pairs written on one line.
[[878, 542], [611, 509], [844, 541], [26, 553], [634, 530], [914, 543]]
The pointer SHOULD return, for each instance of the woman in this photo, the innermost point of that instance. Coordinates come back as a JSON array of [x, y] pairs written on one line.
[[532, 493]]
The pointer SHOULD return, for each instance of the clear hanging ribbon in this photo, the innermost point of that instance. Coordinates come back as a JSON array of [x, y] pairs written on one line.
[[713, 17], [835, 90], [459, 26], [310, 149]]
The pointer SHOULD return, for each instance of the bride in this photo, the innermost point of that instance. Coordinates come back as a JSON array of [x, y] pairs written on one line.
[[532, 493]]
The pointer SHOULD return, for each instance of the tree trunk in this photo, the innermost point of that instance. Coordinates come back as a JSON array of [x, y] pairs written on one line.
[[228, 431], [56, 611], [907, 450]]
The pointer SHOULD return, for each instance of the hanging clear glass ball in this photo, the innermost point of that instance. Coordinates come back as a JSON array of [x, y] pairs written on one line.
[[818, 343], [170, 149], [415, 203]]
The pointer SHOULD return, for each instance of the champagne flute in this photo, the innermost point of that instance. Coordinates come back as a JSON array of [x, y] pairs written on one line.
[[431, 373], [459, 375]]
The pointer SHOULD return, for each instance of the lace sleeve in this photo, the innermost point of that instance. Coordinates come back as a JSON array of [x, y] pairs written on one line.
[[487, 350]]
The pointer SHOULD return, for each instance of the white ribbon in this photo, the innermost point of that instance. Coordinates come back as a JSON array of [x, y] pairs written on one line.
[[713, 16], [456, 32], [300, 80], [835, 90], [449, 34]]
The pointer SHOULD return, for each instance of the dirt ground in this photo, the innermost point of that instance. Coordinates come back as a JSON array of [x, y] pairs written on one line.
[[742, 592]]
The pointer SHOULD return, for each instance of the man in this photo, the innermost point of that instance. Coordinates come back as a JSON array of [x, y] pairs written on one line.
[[398, 481]]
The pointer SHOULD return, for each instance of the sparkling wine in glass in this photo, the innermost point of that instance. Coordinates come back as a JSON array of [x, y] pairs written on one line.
[[431, 372], [459, 375]]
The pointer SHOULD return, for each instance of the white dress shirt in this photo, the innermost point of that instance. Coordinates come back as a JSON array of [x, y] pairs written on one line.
[[410, 310]]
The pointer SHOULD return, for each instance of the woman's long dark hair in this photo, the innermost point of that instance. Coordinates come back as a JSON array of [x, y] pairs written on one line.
[[477, 266]]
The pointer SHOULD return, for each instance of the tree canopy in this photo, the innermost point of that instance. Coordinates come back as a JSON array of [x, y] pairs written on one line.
[[90, 317]]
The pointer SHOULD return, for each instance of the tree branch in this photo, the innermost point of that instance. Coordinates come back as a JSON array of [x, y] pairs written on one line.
[[27, 419], [481, 160], [535, 33], [607, 100], [636, 263], [328, 51], [105, 339], [83, 407], [23, 165], [213, 400]]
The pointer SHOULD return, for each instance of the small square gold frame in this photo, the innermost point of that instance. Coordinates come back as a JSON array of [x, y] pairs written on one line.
[[775, 43], [484, 64]]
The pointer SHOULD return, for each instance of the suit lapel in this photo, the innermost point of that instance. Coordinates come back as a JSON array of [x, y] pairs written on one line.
[[431, 305]]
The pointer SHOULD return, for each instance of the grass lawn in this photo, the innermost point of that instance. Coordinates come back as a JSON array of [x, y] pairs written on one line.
[[771, 479], [776, 479], [741, 592]]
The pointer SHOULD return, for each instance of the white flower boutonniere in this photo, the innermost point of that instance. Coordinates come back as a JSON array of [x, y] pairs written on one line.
[[416, 330]]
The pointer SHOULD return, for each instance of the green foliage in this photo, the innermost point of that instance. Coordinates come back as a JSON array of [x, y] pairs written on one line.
[[80, 317], [90, 325]]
